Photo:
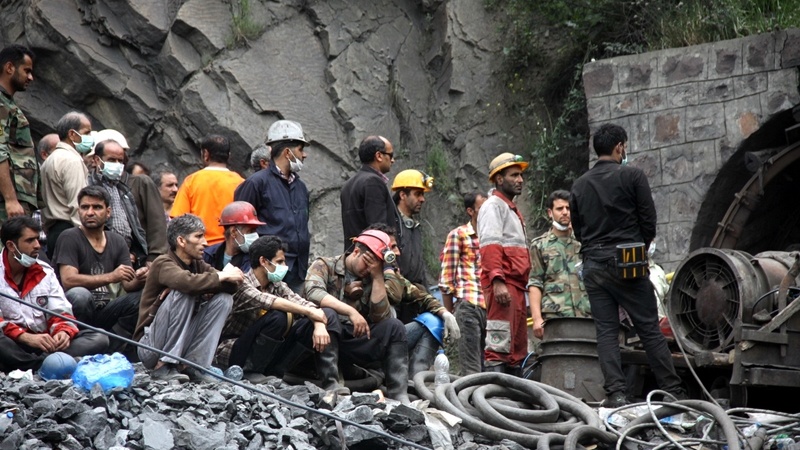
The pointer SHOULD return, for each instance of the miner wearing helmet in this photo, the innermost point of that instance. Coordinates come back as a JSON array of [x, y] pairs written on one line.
[[354, 285], [505, 265], [365, 197], [240, 222], [409, 187], [281, 197]]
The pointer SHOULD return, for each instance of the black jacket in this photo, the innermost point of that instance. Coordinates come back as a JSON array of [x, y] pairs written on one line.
[[365, 200], [611, 204]]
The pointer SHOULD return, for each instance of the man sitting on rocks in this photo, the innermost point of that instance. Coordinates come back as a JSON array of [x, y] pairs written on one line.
[[264, 326], [29, 335], [184, 305], [354, 285], [240, 222], [95, 267]]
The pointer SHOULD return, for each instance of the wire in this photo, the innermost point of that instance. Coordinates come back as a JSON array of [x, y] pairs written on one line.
[[270, 395]]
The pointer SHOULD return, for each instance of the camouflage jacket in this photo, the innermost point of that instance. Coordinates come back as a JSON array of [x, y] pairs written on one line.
[[16, 146], [329, 276], [553, 271], [409, 300]]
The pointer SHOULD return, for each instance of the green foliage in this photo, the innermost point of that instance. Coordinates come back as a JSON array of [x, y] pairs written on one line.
[[430, 254], [244, 27], [438, 167]]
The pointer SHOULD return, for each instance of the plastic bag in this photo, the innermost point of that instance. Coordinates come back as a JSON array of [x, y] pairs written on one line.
[[108, 371]]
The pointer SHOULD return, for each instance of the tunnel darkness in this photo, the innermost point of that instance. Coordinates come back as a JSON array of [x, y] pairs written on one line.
[[772, 225]]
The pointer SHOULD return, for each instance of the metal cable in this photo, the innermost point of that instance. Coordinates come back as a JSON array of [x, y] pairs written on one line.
[[270, 395]]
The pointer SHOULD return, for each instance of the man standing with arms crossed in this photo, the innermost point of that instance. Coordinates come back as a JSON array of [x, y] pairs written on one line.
[[460, 278], [612, 205], [19, 171], [554, 288], [505, 265]]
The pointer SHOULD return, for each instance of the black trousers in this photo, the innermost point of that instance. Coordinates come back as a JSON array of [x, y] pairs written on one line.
[[273, 324], [370, 352], [607, 293], [14, 355]]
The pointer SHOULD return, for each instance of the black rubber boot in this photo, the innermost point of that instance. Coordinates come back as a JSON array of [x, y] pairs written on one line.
[[327, 362], [261, 354], [498, 368], [423, 354], [287, 360], [395, 369]]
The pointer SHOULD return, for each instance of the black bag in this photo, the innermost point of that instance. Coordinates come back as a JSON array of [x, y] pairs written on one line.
[[632, 261]]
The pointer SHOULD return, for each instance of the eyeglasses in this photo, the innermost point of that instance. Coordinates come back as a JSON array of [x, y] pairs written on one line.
[[390, 155]]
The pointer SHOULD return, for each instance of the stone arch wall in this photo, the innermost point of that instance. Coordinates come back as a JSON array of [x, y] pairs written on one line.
[[687, 112]]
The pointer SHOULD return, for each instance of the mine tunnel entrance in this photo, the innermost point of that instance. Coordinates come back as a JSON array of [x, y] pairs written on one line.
[[753, 205]]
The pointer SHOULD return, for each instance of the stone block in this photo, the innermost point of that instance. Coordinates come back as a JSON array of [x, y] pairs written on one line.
[[661, 200], [725, 59], [598, 108], [714, 91], [775, 102], [599, 79], [750, 84], [724, 149], [671, 97], [667, 127], [704, 122], [681, 66], [788, 47], [636, 72], [758, 53], [650, 162], [742, 117], [623, 105], [783, 91], [638, 129], [705, 158], [677, 164], [206, 24], [679, 235]]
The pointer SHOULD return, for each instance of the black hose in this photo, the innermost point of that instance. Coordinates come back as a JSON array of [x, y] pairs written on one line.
[[583, 432]]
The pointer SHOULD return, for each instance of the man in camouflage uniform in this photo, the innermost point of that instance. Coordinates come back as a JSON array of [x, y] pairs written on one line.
[[19, 170], [554, 288]]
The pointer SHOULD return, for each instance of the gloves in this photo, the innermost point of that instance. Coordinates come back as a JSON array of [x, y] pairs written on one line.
[[451, 329]]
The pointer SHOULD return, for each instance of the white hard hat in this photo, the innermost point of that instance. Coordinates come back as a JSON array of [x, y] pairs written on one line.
[[109, 134], [285, 130]]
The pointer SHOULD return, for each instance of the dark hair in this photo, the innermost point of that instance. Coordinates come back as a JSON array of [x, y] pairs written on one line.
[[607, 137], [369, 147], [471, 197], [396, 195], [560, 194], [132, 165], [266, 246], [218, 147], [280, 146], [69, 121], [15, 54], [380, 226], [183, 225], [363, 248], [159, 174], [13, 227], [94, 192], [99, 149]]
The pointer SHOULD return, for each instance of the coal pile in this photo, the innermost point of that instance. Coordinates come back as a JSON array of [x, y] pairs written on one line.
[[156, 415]]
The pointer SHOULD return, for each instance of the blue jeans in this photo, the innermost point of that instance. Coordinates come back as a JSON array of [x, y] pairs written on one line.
[[607, 292]]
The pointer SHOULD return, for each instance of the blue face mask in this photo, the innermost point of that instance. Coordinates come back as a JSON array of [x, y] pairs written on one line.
[[112, 170], [85, 145], [278, 274], [624, 160]]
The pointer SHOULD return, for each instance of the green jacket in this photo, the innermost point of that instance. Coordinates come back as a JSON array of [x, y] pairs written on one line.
[[16, 146], [553, 271]]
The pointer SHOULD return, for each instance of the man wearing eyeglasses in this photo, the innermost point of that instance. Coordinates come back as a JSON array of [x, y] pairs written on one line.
[[365, 197], [505, 266], [409, 187]]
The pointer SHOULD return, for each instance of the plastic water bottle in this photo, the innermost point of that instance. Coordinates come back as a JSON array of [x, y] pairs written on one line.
[[751, 430], [5, 421], [442, 368], [234, 373]]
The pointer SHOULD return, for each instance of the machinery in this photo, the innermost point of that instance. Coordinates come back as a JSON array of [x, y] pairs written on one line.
[[728, 305]]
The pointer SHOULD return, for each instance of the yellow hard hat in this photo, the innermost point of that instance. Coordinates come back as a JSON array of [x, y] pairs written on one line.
[[412, 179], [504, 160]]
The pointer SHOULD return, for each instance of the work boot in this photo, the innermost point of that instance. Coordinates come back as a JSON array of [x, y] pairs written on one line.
[[423, 354], [287, 360], [495, 368], [327, 362], [395, 369], [261, 354]]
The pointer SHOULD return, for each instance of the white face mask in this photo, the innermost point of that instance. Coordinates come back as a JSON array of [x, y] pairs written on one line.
[[296, 165], [560, 227], [24, 260], [112, 170]]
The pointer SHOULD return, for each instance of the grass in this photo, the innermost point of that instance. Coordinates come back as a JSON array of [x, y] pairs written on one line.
[[244, 28]]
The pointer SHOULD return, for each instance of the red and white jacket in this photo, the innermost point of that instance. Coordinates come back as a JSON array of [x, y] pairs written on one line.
[[40, 287], [504, 249]]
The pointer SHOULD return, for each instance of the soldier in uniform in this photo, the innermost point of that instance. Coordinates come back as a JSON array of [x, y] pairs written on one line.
[[554, 288], [19, 170]]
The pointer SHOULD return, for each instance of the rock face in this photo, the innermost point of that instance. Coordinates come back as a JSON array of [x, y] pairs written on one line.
[[164, 73]]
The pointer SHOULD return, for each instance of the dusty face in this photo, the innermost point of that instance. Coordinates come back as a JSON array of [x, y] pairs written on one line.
[[168, 188], [510, 182], [193, 244], [93, 212], [413, 200]]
